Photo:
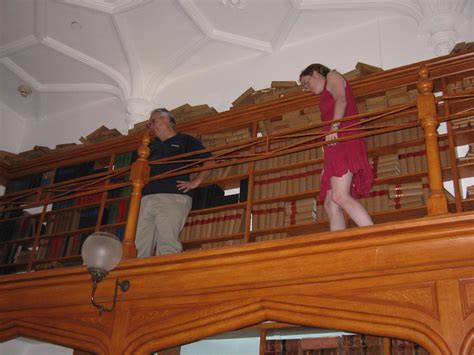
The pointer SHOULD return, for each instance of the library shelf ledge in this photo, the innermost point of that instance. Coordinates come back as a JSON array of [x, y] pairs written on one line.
[[17, 241], [197, 242], [240, 205]]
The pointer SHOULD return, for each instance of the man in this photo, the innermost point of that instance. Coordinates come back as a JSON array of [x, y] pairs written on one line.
[[166, 202]]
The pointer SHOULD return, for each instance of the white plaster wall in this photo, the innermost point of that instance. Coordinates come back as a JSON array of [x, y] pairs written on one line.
[[68, 127], [12, 128], [244, 346], [24, 346], [386, 43]]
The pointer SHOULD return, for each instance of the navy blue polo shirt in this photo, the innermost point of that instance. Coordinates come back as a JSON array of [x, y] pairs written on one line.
[[178, 144]]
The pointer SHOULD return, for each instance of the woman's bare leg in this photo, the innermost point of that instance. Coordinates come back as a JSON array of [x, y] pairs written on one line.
[[334, 212], [341, 195]]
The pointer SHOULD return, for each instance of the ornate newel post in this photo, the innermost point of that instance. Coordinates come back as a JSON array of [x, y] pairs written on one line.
[[139, 176], [437, 202]]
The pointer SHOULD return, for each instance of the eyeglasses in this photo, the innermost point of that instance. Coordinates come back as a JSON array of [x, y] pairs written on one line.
[[305, 84]]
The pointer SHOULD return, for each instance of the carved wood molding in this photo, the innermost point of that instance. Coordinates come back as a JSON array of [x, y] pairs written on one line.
[[413, 280]]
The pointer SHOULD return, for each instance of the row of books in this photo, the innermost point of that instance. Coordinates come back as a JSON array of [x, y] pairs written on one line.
[[391, 98], [276, 90], [214, 224], [69, 245], [100, 134], [122, 191], [271, 236], [287, 159], [47, 177], [287, 182], [465, 122], [386, 197], [282, 346], [285, 213], [116, 212], [69, 220], [470, 191], [224, 138], [289, 121], [187, 112], [346, 344], [17, 228], [58, 222], [311, 116], [63, 204], [461, 85], [124, 159], [48, 248], [53, 176], [361, 69], [90, 198], [223, 243], [394, 137], [383, 197], [207, 197], [385, 165], [414, 156], [231, 170], [22, 254], [406, 161], [23, 183], [121, 161], [74, 171], [14, 254]]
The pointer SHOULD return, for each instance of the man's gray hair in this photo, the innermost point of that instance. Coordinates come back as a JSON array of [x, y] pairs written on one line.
[[166, 113]]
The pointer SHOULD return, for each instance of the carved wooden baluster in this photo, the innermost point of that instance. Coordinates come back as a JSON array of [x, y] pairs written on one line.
[[437, 203], [139, 176]]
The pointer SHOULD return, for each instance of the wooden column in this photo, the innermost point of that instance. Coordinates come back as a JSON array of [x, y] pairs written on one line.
[[387, 346], [437, 202], [139, 176], [263, 337]]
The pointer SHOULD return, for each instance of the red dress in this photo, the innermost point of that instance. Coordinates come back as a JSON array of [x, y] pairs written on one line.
[[349, 155]]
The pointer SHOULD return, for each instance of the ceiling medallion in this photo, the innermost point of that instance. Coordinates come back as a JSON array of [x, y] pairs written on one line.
[[234, 4]]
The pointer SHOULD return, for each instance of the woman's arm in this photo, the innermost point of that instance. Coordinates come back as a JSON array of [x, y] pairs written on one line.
[[336, 85]]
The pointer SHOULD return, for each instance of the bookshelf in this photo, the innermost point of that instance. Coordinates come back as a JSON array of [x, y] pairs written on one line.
[[70, 203], [271, 151]]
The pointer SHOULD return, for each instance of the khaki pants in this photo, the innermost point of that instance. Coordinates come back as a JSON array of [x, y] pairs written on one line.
[[162, 216]]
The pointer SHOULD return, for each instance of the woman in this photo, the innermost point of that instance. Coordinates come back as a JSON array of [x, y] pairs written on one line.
[[347, 173]]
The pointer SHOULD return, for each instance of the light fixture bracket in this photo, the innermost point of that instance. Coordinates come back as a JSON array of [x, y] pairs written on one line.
[[97, 274], [123, 285]]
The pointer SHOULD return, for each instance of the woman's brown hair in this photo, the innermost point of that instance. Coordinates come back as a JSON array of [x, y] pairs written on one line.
[[318, 68]]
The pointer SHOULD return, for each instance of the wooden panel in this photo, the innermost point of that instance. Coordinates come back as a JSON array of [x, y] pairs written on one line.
[[412, 281]]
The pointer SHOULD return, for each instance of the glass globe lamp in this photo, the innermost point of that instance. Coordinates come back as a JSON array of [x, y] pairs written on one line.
[[101, 253]]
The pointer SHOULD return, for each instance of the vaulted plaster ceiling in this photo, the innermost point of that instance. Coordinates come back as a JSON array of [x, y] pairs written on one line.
[[75, 52]]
